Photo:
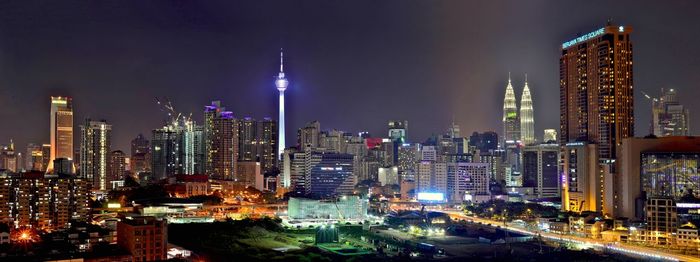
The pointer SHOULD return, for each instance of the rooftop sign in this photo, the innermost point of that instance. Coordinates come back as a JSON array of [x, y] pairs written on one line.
[[583, 38]]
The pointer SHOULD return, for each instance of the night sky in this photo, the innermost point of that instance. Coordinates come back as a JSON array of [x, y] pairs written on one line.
[[353, 65]]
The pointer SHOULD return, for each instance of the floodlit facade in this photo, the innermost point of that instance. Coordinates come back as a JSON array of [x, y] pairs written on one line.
[[527, 118], [388, 175], [550, 136], [511, 123], [432, 177], [281, 83], [582, 180], [342, 208], [61, 129]]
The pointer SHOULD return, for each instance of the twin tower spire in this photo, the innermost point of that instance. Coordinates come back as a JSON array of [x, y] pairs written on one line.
[[518, 127]]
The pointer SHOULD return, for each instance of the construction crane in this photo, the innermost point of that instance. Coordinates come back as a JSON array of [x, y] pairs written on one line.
[[652, 99], [173, 116], [654, 119]]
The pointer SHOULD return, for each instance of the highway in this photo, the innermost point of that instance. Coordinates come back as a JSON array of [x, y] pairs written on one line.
[[620, 248]]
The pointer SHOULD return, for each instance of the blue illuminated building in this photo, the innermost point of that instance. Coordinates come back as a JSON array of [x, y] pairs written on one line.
[[329, 174]]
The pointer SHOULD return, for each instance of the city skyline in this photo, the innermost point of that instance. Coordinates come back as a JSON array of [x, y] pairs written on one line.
[[230, 63], [342, 131]]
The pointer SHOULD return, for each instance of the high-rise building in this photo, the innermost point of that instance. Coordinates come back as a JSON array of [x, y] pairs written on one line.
[[249, 173], [397, 130], [511, 122], [596, 98], [296, 170], [144, 237], [550, 136], [140, 145], [321, 174], [408, 157], [454, 130], [8, 158], [470, 180], [257, 141], [332, 141], [45, 202], [669, 117], [329, 174], [267, 144], [165, 151], [46, 156], [35, 158], [247, 139], [221, 141], [388, 175], [596, 108], [485, 142], [309, 136], [96, 140], [281, 83], [432, 177], [541, 169], [192, 153], [117, 167], [61, 129], [527, 118]]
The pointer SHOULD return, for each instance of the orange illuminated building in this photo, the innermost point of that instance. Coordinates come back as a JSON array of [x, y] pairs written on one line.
[[596, 113]]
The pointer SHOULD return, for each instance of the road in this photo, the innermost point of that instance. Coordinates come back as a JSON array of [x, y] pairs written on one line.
[[598, 244]]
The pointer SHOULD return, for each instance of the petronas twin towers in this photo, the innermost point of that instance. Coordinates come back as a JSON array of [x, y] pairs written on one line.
[[518, 127]]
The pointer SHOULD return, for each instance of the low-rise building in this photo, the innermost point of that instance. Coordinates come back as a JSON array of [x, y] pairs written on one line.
[[687, 237], [144, 237], [342, 208]]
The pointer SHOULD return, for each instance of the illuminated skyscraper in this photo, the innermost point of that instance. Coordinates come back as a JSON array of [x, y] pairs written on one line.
[[596, 108], [192, 154], [596, 98], [94, 153], [281, 83], [511, 125], [527, 121], [61, 129], [221, 141]]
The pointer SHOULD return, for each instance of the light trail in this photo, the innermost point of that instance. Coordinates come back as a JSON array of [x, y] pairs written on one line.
[[606, 247]]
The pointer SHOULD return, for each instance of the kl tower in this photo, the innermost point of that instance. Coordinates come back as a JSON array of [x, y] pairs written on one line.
[[281, 83]]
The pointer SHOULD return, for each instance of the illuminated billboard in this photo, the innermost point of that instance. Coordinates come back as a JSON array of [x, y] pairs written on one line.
[[426, 196]]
